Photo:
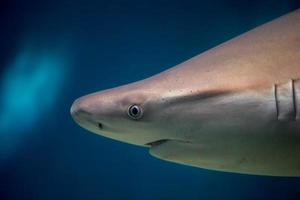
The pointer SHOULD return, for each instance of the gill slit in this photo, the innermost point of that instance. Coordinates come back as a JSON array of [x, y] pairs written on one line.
[[276, 100], [294, 99]]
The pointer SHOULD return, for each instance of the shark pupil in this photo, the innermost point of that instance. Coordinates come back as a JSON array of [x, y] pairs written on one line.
[[135, 112]]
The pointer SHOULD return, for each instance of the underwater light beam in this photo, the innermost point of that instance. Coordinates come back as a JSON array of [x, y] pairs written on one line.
[[23, 97]]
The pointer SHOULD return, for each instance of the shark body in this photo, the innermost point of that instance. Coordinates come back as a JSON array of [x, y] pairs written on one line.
[[233, 108]]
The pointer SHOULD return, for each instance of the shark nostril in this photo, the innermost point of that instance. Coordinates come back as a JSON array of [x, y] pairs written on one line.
[[100, 126]]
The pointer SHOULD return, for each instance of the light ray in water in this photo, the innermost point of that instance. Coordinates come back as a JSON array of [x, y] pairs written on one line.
[[29, 88]]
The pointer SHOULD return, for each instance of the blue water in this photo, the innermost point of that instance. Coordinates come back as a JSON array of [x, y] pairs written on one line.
[[55, 51]]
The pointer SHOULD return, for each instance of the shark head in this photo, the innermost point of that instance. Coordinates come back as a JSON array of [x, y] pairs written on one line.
[[152, 111], [132, 113]]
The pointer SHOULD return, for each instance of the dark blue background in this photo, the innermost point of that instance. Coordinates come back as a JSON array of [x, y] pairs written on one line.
[[55, 51]]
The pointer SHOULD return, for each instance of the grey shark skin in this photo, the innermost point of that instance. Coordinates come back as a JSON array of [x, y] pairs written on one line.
[[234, 108]]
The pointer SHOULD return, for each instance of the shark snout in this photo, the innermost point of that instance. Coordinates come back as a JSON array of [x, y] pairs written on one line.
[[83, 113], [80, 110]]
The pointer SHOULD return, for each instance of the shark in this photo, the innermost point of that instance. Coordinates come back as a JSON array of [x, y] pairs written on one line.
[[233, 108]]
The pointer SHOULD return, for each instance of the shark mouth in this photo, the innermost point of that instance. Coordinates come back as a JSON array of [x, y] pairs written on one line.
[[156, 143], [162, 141]]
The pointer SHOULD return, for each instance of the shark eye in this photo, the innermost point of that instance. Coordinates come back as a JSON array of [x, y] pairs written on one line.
[[135, 112]]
